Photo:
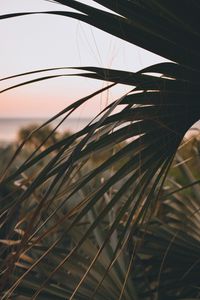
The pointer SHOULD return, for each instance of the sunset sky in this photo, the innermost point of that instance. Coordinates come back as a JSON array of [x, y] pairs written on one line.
[[41, 41]]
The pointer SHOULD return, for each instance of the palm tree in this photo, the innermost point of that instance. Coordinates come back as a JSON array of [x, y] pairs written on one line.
[[155, 115]]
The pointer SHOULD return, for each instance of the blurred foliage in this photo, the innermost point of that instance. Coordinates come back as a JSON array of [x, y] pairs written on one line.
[[188, 160], [166, 245]]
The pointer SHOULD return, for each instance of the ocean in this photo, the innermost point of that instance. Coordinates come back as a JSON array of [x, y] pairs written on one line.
[[9, 127]]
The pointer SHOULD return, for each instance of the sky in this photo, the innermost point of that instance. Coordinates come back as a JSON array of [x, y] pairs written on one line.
[[42, 41]]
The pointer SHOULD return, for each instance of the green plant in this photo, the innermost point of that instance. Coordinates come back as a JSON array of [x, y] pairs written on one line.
[[69, 275], [165, 265], [169, 251]]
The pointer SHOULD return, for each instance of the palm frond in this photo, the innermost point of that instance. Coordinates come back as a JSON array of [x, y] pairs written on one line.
[[155, 115]]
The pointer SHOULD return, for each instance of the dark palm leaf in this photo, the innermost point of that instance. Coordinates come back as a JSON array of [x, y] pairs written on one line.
[[155, 115]]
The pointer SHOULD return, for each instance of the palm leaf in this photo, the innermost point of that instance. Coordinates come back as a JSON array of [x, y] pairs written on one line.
[[155, 115]]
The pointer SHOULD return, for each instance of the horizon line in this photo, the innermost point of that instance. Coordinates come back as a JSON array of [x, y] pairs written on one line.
[[35, 117]]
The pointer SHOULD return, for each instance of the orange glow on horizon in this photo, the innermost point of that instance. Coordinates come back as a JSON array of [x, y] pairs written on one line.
[[47, 99]]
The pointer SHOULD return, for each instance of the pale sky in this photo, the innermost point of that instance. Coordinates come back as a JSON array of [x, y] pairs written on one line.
[[35, 42]]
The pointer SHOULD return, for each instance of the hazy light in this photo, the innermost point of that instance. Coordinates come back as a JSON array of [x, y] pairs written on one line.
[[43, 41]]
